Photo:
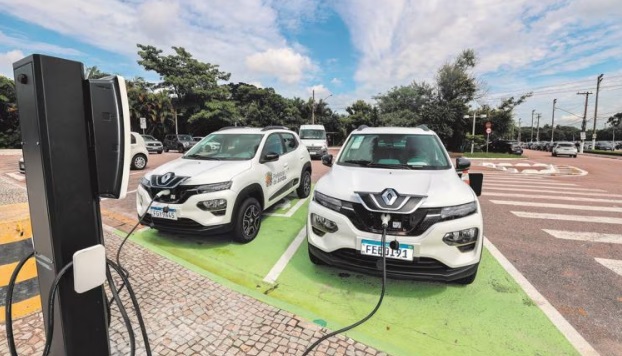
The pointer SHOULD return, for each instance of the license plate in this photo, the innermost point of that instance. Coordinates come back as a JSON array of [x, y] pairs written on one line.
[[373, 248], [159, 212]]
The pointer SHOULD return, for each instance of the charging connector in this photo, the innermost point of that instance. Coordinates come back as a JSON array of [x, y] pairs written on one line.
[[385, 220]]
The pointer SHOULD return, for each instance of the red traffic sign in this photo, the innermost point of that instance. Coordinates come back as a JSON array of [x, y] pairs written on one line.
[[488, 130], [488, 125]]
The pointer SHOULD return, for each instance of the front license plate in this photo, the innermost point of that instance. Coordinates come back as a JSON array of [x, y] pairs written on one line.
[[163, 213], [373, 248]]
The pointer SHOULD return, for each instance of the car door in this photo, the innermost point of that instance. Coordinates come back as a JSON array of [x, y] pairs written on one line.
[[293, 158], [274, 172]]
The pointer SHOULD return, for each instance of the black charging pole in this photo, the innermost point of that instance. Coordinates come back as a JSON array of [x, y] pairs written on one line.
[[61, 181]]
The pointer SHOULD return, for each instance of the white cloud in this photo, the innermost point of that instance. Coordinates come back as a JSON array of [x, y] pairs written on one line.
[[34, 46], [335, 81], [6, 62], [284, 63], [321, 92]]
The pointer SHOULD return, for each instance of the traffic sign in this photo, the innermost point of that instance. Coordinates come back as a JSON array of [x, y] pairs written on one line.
[[594, 136], [143, 123], [582, 135], [488, 124], [488, 130]]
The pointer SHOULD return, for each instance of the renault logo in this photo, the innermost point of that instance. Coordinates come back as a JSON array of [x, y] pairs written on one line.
[[389, 196], [166, 178]]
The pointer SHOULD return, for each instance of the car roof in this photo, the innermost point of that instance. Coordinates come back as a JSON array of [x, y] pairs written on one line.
[[250, 130], [393, 130]]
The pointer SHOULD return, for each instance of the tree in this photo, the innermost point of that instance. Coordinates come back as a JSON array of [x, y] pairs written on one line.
[[94, 73], [10, 135]]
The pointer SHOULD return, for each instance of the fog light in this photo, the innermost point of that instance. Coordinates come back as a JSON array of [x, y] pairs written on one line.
[[323, 224], [212, 205], [461, 237]]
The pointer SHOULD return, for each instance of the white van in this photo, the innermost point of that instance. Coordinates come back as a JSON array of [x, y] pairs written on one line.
[[314, 138]]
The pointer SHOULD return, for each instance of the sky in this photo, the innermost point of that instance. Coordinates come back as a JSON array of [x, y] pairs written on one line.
[[346, 50]]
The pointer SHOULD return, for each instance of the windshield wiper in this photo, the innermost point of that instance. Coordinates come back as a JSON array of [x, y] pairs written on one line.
[[395, 165], [360, 162], [198, 156]]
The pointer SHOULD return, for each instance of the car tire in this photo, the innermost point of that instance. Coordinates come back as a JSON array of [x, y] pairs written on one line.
[[139, 161], [575, 156], [160, 152], [248, 221], [304, 189], [553, 154], [316, 261], [466, 280], [165, 149]]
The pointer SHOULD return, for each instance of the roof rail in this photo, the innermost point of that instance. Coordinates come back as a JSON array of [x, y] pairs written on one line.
[[268, 128], [423, 127], [362, 127], [227, 128]]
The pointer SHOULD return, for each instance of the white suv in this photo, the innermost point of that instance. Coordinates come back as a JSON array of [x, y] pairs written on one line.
[[225, 181], [435, 229]]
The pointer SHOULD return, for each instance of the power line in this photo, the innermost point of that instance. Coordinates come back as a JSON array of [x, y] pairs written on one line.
[[571, 113]]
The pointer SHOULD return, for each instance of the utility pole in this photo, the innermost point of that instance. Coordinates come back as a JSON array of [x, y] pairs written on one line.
[[598, 80], [553, 120], [532, 111], [313, 108], [519, 129], [538, 132], [587, 94]]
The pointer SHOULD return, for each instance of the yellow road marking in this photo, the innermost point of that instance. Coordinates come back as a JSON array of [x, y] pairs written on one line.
[[14, 223], [23, 308], [29, 270]]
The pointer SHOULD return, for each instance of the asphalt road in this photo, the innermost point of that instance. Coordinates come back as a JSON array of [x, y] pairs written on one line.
[[564, 234]]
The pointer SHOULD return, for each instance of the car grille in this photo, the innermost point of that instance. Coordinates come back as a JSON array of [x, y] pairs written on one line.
[[180, 224], [413, 224], [178, 195], [154, 144]]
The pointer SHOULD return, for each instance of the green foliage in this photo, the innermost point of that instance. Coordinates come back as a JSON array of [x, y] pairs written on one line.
[[10, 135]]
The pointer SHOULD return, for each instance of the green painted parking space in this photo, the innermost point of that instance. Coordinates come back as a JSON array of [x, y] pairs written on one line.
[[491, 316]]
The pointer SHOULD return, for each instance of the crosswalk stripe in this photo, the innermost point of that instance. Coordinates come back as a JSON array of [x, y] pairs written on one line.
[[614, 265], [539, 185], [585, 236], [578, 218], [552, 197], [569, 191], [558, 206]]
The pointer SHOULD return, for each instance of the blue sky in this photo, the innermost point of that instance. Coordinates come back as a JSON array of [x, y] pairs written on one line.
[[345, 49]]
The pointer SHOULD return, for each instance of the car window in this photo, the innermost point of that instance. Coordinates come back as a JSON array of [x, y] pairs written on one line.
[[149, 137], [226, 147], [184, 138], [308, 134], [274, 144], [132, 139], [290, 142], [400, 151]]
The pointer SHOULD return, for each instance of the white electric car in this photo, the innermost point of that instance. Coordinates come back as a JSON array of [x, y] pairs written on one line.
[[435, 227], [225, 181]]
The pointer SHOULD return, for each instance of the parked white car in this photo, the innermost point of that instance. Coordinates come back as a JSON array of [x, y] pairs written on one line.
[[435, 218], [139, 152], [564, 149], [314, 138], [225, 182]]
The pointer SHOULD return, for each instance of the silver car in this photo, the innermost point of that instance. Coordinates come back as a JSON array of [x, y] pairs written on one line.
[[564, 149]]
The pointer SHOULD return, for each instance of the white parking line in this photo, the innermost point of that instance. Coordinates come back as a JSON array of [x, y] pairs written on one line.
[[552, 197], [558, 206], [585, 236], [280, 265], [569, 191], [578, 218], [614, 265], [579, 343]]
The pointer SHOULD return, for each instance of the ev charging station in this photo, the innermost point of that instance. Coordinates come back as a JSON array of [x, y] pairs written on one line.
[[75, 142]]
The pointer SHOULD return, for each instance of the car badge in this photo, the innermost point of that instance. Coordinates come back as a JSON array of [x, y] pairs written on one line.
[[166, 178], [389, 196]]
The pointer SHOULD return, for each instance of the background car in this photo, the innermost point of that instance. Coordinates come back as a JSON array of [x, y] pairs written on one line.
[[503, 146], [22, 167], [564, 148], [179, 143], [153, 144], [197, 138], [604, 146], [138, 152]]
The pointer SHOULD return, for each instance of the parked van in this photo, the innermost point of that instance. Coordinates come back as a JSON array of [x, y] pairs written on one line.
[[314, 138]]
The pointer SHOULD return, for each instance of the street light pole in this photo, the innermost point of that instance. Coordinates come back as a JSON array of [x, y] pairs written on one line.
[[538, 132], [532, 111], [553, 120], [599, 79], [473, 132], [313, 108]]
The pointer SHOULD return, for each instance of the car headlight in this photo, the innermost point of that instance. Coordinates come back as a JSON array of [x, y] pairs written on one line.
[[185, 144], [458, 211], [462, 237], [145, 182], [326, 201], [215, 187]]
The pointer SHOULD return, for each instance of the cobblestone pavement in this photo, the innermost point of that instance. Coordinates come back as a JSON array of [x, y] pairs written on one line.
[[188, 314]]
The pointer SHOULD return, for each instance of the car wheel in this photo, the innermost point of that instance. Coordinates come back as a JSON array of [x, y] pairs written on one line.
[[248, 221], [466, 280], [160, 152], [575, 156], [165, 149], [304, 189], [315, 260], [553, 154], [181, 149], [139, 161]]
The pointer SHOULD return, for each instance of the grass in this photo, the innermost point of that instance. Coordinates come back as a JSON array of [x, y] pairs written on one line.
[[608, 153], [491, 155]]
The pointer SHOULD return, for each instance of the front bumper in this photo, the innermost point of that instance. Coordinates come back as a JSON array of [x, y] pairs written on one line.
[[317, 151], [433, 258], [155, 148], [190, 218]]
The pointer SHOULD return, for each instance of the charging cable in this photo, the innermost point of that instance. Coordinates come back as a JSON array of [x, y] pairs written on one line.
[[385, 224]]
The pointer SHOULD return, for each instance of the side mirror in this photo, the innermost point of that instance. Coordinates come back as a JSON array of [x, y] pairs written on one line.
[[327, 160], [462, 163], [270, 157]]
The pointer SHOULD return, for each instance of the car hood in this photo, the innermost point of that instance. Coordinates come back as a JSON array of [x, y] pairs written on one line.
[[202, 171], [442, 187], [314, 143]]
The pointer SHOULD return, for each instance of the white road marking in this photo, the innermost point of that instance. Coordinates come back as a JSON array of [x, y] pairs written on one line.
[[17, 176], [579, 343], [291, 211], [578, 218], [614, 265], [552, 197], [558, 206], [585, 236], [568, 191], [280, 265]]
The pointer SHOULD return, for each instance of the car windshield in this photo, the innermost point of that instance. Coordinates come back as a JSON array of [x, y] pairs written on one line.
[[312, 134], [149, 138], [396, 151], [566, 145], [226, 147], [184, 138]]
